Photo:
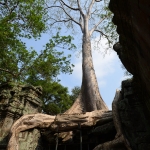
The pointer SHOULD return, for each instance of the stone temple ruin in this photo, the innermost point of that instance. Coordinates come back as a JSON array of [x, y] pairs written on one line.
[[126, 127]]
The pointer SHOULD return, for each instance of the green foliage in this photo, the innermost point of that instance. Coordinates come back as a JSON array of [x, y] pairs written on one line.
[[107, 28], [55, 98], [18, 19], [23, 18], [50, 63], [75, 93], [44, 71], [28, 19]]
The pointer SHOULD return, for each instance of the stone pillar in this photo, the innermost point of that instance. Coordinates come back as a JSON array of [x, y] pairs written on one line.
[[17, 100], [134, 114]]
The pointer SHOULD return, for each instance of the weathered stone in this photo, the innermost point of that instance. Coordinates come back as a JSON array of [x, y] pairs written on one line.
[[17, 100], [133, 24], [133, 117]]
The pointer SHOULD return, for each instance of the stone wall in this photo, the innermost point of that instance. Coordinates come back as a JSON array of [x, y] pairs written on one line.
[[132, 18], [17, 100], [134, 116]]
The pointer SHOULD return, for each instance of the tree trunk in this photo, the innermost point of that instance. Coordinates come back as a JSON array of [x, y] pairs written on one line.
[[90, 98]]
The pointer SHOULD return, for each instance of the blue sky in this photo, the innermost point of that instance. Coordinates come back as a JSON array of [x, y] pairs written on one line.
[[107, 67]]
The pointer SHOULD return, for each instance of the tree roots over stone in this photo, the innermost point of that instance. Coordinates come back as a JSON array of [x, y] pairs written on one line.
[[69, 122], [65, 122]]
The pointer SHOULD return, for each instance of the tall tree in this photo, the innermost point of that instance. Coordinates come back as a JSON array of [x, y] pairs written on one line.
[[91, 16], [75, 92]]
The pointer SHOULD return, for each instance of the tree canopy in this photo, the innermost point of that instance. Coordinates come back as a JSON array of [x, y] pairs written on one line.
[[90, 16], [28, 19], [44, 71], [18, 19], [74, 93]]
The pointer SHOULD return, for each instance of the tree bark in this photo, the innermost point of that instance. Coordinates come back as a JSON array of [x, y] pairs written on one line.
[[90, 91], [116, 144], [90, 98], [62, 122]]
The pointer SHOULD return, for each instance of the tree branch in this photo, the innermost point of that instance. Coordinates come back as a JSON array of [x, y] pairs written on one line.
[[54, 7], [90, 7], [71, 17], [103, 34], [66, 14], [100, 32], [76, 9], [94, 28], [78, 1], [15, 6], [2, 3], [85, 6], [10, 9], [56, 21], [5, 4], [1, 69], [81, 22]]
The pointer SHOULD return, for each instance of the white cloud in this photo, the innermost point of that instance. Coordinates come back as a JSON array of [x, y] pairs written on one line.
[[103, 65], [110, 107], [77, 70]]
